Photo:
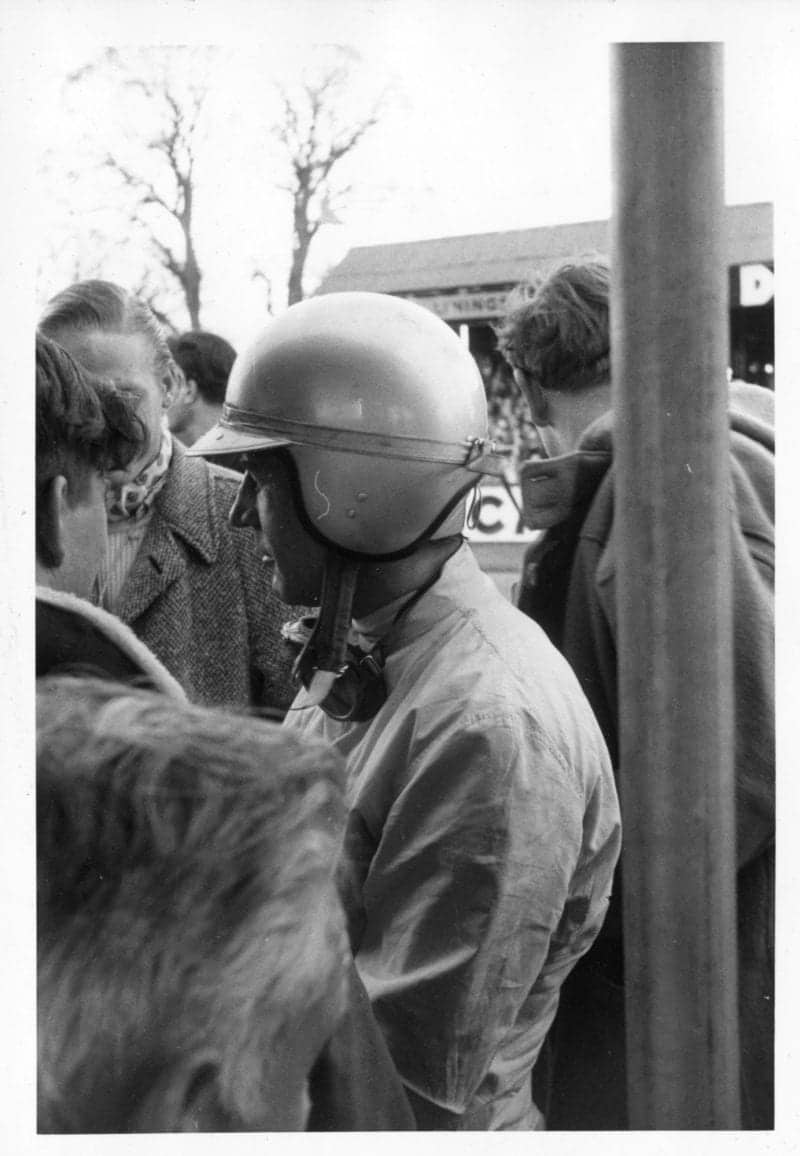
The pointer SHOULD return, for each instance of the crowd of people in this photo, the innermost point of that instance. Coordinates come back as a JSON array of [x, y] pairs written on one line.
[[327, 829]]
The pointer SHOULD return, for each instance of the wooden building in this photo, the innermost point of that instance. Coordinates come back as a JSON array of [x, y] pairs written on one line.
[[466, 280]]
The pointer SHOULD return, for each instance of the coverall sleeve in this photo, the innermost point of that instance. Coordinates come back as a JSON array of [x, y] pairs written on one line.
[[465, 892]]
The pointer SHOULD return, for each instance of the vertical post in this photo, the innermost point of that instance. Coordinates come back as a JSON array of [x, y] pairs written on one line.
[[669, 342]]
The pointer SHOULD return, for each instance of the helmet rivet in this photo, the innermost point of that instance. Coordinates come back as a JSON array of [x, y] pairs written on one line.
[[351, 513], [361, 496]]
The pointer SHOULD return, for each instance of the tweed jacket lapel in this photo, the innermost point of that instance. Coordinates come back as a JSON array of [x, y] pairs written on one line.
[[183, 513]]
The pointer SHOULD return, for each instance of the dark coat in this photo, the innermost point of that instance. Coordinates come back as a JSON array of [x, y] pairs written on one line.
[[76, 638], [568, 586], [199, 597]]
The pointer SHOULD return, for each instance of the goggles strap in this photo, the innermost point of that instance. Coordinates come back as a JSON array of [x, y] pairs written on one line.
[[324, 656]]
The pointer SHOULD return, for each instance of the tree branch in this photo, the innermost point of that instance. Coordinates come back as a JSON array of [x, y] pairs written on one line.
[[315, 141], [168, 258], [145, 190], [158, 176]]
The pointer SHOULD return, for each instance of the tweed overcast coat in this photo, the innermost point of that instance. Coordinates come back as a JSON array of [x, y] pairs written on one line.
[[199, 597]]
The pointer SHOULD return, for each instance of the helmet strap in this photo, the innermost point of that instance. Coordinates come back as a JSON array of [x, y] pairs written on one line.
[[325, 652], [351, 687], [340, 679]]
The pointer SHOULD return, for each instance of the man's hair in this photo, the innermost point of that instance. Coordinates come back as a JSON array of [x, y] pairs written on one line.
[[83, 426], [207, 359], [186, 906], [556, 328], [104, 307]]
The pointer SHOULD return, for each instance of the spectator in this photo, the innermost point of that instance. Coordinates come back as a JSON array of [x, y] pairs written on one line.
[[557, 342], [192, 955], [483, 825], [190, 589], [83, 428], [205, 362]]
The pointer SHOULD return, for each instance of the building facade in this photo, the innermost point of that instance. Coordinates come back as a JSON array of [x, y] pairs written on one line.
[[466, 280]]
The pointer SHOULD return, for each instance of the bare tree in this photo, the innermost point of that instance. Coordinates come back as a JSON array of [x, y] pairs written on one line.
[[155, 169], [316, 135], [174, 145], [127, 189]]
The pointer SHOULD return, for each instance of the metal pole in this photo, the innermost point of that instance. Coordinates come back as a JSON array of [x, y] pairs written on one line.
[[669, 342]]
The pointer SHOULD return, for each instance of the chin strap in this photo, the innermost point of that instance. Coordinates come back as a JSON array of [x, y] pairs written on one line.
[[346, 682], [324, 657]]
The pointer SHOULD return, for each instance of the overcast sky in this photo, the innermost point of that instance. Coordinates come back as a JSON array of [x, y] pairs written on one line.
[[498, 119]]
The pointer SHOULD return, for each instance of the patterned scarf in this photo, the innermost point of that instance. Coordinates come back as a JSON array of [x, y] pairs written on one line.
[[131, 501]]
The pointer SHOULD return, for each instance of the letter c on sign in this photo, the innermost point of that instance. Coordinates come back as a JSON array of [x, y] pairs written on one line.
[[489, 527]]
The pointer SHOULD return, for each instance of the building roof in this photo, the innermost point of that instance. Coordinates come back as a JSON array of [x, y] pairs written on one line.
[[505, 259]]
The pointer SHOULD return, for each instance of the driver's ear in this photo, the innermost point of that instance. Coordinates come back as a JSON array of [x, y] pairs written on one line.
[[51, 518]]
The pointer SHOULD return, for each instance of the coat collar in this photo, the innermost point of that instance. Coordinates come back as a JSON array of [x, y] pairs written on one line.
[[86, 617], [554, 488], [183, 510], [186, 503]]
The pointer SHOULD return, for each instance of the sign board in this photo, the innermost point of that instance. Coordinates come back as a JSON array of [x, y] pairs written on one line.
[[756, 284], [497, 518], [751, 284], [464, 306]]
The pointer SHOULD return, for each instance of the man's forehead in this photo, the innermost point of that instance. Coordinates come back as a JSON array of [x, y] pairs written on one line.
[[117, 354]]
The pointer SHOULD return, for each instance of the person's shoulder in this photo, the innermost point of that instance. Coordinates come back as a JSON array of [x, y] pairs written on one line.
[[491, 650], [218, 477], [751, 414], [198, 477], [74, 636], [221, 475], [193, 470], [223, 485], [752, 407], [196, 501]]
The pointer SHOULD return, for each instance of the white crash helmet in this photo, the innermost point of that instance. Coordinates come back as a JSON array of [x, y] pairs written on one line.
[[383, 411]]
